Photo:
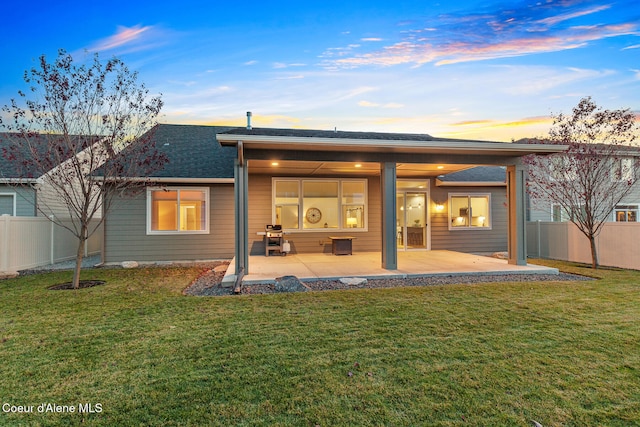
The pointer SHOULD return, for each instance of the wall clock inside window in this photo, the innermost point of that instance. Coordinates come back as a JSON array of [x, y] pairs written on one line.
[[313, 215]]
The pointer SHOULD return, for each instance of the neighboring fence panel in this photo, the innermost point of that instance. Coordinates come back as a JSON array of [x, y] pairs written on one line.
[[618, 244], [27, 242]]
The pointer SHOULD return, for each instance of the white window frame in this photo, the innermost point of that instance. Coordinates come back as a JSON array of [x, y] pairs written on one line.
[[622, 169], [301, 182], [207, 209], [564, 215], [15, 207], [469, 227], [626, 208]]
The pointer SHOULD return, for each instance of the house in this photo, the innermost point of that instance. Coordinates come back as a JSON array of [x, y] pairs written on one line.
[[385, 192], [617, 169], [196, 184], [25, 190], [15, 200]]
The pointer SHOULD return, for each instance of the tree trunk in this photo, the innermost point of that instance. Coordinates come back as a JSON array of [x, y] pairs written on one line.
[[79, 255], [594, 252]]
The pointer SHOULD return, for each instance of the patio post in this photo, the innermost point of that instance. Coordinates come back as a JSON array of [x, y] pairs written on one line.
[[241, 210], [517, 239], [389, 229]]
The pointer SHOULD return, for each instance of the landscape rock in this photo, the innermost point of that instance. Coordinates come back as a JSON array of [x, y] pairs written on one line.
[[500, 255], [129, 264], [353, 281], [290, 284], [221, 268]]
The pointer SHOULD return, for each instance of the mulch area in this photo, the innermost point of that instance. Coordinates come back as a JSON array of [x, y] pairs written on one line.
[[84, 284]]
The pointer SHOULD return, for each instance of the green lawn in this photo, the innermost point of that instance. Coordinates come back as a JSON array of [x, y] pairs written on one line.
[[560, 353]]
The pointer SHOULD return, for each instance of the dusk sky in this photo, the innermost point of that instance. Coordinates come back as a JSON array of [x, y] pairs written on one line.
[[492, 70]]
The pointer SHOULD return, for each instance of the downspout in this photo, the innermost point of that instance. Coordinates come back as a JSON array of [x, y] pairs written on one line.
[[237, 288]]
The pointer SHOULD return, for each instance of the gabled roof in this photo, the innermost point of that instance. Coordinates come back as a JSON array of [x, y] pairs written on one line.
[[311, 133], [192, 152], [8, 168], [46, 146]]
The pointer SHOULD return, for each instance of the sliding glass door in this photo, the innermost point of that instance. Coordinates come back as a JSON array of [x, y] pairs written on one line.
[[412, 201]]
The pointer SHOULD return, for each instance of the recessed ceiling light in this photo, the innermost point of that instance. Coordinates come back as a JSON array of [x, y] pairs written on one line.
[[274, 163], [358, 165], [440, 167]]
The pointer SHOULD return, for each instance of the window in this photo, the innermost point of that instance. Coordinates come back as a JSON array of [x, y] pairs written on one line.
[[8, 204], [287, 202], [353, 204], [320, 204], [469, 211], [622, 169], [560, 214], [625, 213], [173, 210]]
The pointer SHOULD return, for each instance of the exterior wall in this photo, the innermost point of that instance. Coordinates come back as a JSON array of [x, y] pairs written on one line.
[[25, 199], [470, 241], [126, 236], [49, 203], [540, 210], [260, 211]]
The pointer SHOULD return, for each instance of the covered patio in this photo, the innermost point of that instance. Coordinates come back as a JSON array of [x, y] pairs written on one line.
[[383, 159], [325, 266]]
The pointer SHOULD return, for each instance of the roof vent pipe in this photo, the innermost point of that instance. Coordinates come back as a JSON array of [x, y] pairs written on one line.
[[249, 120]]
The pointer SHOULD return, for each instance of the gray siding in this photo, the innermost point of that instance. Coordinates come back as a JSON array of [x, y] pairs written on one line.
[[470, 241], [540, 210], [260, 208], [25, 200], [126, 233]]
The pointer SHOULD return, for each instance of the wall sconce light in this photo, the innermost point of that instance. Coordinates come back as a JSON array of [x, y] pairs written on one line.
[[439, 207]]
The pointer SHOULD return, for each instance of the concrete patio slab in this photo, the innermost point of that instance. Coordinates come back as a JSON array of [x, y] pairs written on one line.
[[309, 267]]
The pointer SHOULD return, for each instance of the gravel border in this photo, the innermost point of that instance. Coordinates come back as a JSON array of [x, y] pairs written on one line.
[[208, 284]]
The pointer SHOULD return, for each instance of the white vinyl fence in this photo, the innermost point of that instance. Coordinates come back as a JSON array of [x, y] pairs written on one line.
[[618, 244], [27, 242]]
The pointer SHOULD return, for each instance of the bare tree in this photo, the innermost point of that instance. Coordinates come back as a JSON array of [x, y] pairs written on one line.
[[74, 119], [600, 167]]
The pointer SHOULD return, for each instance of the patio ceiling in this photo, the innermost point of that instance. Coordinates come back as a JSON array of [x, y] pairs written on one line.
[[310, 168]]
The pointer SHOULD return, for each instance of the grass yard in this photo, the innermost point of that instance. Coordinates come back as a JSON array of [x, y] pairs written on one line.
[[559, 353]]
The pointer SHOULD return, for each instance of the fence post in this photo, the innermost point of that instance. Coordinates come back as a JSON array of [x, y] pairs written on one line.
[[538, 238], [4, 256], [52, 242]]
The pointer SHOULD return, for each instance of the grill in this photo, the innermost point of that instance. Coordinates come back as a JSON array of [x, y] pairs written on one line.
[[273, 239]]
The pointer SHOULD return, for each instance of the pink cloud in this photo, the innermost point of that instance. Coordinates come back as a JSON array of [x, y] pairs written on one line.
[[422, 52], [501, 33], [130, 38]]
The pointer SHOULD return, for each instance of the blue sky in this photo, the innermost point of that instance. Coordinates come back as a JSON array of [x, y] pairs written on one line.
[[493, 70]]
